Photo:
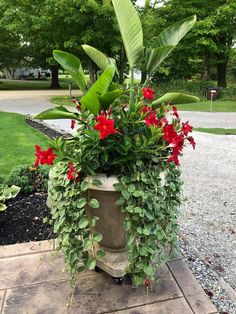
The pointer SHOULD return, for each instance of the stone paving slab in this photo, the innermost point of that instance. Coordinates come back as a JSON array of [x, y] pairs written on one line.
[[34, 283], [190, 287], [26, 248], [164, 307]]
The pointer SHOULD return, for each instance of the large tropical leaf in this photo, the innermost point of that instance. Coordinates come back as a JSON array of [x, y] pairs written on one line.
[[108, 98], [73, 66], [130, 29], [168, 40], [56, 113], [97, 56], [175, 98], [90, 100]]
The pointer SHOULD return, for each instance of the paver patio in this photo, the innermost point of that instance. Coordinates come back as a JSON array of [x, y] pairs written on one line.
[[31, 281]]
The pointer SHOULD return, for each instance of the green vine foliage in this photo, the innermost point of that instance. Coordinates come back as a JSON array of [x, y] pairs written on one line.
[[149, 189], [150, 197]]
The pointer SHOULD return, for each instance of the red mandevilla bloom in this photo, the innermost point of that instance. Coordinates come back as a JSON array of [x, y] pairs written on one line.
[[44, 156], [151, 119], [186, 128], [175, 113], [148, 93], [192, 142], [72, 174], [169, 133], [145, 109], [105, 126], [72, 124]]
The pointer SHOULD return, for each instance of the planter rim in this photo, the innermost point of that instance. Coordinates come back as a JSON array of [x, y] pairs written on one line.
[[107, 182]]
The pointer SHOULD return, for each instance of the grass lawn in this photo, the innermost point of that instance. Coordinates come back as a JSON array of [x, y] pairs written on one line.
[[218, 131], [17, 142], [35, 85], [217, 106], [61, 100]]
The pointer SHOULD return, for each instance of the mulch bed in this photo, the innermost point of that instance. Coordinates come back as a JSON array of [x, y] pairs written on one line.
[[22, 221]]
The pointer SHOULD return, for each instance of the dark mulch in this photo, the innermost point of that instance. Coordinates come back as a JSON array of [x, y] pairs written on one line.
[[22, 221]]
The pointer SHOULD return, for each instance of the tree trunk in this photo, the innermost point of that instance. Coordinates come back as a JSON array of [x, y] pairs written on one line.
[[121, 65], [221, 74], [55, 80], [91, 73], [143, 77]]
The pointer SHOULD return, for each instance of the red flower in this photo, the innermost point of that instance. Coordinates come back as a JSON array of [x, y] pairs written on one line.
[[146, 109], [72, 174], [186, 128], [72, 124], [105, 126], [169, 133], [147, 282], [148, 93], [175, 113], [174, 158], [151, 119], [192, 142], [44, 156], [178, 143]]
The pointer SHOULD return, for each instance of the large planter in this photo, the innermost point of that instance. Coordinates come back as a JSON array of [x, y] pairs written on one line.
[[111, 219], [110, 225]]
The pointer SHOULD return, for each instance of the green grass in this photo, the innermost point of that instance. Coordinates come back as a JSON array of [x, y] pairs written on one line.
[[35, 85], [61, 100], [17, 142], [217, 106], [218, 131]]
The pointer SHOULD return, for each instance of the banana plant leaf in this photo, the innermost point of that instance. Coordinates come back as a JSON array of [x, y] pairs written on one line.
[[97, 56], [73, 66], [130, 29], [108, 98], [55, 113], [91, 100], [175, 98], [167, 40]]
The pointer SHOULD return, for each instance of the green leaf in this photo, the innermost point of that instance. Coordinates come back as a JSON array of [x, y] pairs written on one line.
[[131, 188], [90, 100], [81, 203], [73, 66], [130, 29], [93, 203], [56, 113], [96, 182], [118, 187], [148, 269], [2, 207], [167, 40], [97, 56], [108, 98], [14, 190], [84, 186], [176, 98], [97, 236], [100, 253], [87, 243], [83, 223], [91, 263]]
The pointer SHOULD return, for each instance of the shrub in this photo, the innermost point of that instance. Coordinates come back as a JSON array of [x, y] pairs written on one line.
[[29, 179]]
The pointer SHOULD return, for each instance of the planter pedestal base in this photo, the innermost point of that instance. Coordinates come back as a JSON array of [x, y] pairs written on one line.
[[113, 263]]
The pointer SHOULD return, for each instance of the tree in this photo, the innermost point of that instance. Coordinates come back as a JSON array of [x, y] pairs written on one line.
[[212, 37], [51, 24]]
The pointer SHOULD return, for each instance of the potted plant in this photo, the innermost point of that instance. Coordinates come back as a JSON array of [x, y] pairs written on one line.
[[115, 192]]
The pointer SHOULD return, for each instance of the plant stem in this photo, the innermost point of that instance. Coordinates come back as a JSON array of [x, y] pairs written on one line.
[[131, 99], [146, 81]]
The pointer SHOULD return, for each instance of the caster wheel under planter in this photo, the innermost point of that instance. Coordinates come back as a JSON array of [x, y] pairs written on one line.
[[118, 280], [97, 269]]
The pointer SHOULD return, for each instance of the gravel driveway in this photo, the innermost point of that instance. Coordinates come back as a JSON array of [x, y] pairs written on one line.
[[208, 216]]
